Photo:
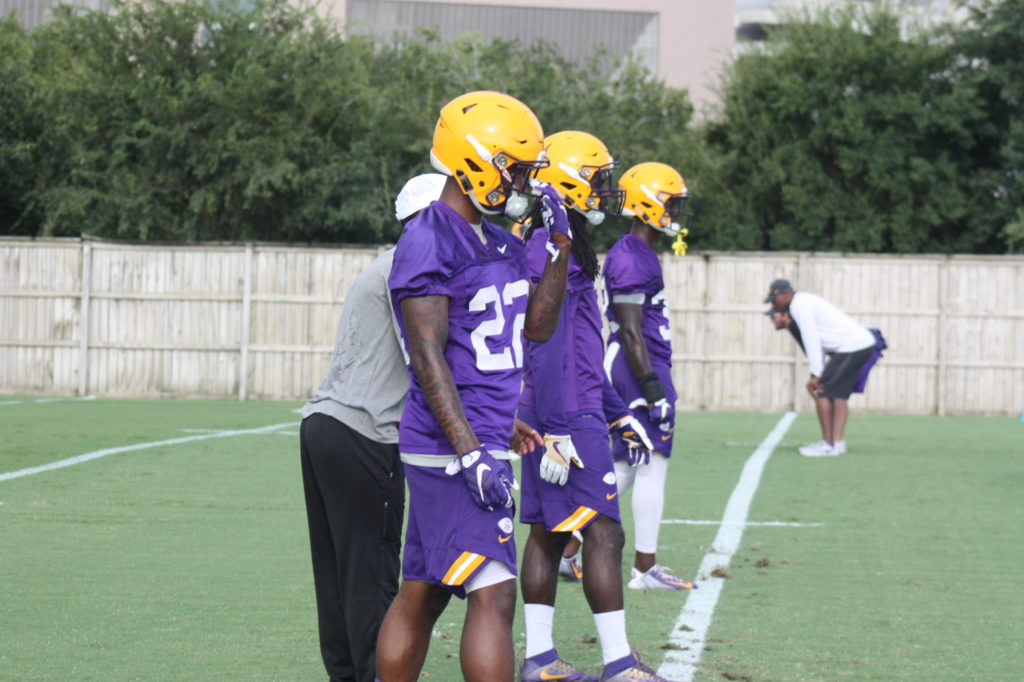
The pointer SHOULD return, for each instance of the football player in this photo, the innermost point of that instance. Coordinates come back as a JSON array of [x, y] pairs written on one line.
[[639, 355], [570, 485], [461, 289]]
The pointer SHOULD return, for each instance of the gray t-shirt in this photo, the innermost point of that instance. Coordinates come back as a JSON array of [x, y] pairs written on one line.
[[367, 381]]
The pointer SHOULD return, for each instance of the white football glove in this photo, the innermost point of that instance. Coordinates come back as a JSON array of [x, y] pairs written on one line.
[[633, 434], [559, 453], [661, 414]]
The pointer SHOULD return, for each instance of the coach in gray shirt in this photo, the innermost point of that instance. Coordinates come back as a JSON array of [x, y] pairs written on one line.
[[352, 475]]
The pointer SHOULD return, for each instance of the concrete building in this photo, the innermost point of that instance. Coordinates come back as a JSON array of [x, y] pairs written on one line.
[[684, 42]]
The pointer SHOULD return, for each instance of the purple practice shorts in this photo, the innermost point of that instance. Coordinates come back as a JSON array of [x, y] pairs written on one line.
[[629, 390], [449, 538], [589, 492]]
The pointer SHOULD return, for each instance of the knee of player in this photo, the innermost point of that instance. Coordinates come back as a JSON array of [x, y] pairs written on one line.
[[605, 533], [498, 599]]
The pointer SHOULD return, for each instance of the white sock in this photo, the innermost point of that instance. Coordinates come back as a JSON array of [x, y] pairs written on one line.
[[540, 621], [839, 444], [648, 503], [611, 630]]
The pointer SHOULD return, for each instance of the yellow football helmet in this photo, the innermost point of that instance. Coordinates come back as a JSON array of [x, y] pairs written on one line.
[[581, 170], [492, 144], [656, 194]]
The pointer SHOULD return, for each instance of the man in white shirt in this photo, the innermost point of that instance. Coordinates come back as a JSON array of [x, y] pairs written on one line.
[[839, 351]]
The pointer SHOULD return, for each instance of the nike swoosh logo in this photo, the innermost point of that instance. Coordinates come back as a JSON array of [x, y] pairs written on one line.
[[610, 496], [501, 249], [480, 478], [544, 675], [504, 539], [665, 437]]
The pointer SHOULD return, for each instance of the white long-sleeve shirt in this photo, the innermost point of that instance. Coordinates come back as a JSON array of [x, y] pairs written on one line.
[[826, 329]]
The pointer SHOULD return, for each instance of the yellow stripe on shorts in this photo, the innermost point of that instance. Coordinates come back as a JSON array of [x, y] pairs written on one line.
[[579, 519], [462, 568]]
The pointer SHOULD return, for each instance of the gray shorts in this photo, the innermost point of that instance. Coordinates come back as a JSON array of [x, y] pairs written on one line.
[[841, 372]]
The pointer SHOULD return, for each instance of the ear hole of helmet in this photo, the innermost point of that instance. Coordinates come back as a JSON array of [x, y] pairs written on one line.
[[472, 166]]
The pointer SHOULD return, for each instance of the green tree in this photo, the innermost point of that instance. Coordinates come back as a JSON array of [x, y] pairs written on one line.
[[992, 68], [20, 126], [845, 133], [186, 121]]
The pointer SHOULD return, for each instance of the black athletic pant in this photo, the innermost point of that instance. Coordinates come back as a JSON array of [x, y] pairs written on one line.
[[355, 498]]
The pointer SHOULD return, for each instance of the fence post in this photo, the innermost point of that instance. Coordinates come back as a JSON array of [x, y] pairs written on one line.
[[83, 333], [243, 361], [705, 361], [940, 347], [797, 353]]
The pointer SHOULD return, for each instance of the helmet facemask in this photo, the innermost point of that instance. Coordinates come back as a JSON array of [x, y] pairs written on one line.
[[674, 208], [511, 197], [604, 198]]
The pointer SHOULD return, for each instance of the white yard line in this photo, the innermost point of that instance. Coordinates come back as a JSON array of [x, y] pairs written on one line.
[[681, 663], [696, 522], [96, 454], [47, 400]]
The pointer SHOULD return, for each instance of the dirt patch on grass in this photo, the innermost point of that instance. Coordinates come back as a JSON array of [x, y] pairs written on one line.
[[720, 572], [763, 562]]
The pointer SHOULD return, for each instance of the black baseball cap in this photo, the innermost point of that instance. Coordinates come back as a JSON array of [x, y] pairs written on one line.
[[777, 287]]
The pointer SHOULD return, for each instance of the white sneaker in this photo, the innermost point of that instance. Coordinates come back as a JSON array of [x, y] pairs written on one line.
[[819, 449], [657, 578], [840, 447]]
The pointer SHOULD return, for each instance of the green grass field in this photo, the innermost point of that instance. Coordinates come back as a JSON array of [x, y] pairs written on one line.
[[189, 560]]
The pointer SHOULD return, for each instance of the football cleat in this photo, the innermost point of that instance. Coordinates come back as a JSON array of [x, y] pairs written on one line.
[[556, 670], [637, 672], [569, 567], [658, 578]]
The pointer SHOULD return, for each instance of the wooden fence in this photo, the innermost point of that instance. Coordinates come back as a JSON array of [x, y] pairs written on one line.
[[258, 321]]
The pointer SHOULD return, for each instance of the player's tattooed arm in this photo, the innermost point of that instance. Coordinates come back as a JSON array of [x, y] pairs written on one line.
[[546, 298], [630, 317], [426, 325]]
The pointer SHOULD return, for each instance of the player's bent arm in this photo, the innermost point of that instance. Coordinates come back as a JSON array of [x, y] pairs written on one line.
[[630, 317], [546, 299], [426, 325]]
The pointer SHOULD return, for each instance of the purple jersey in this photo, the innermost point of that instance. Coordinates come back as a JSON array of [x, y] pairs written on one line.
[[487, 288], [632, 267], [565, 376]]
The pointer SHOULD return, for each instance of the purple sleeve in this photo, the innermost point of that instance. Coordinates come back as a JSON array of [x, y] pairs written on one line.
[[614, 407], [547, 368], [537, 255], [420, 266], [624, 272]]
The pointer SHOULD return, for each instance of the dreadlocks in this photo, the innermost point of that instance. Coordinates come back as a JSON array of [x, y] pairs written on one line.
[[582, 246]]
